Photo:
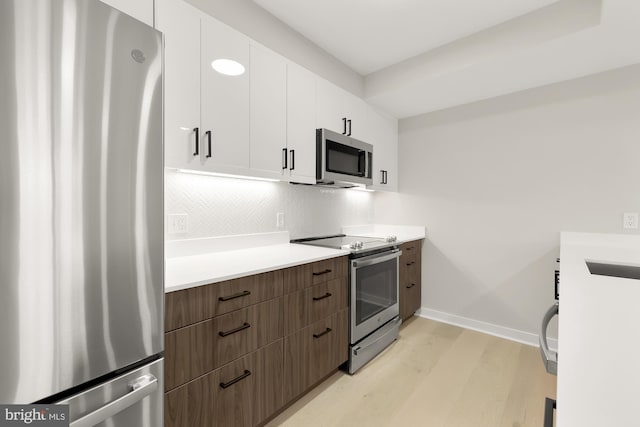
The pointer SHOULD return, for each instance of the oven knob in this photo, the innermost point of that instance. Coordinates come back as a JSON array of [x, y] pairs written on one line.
[[353, 245], [391, 238], [359, 245]]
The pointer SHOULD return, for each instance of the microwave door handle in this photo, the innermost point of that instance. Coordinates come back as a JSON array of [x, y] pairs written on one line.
[[367, 166], [550, 358]]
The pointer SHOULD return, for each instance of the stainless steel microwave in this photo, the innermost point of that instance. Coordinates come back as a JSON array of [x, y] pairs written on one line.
[[342, 161]]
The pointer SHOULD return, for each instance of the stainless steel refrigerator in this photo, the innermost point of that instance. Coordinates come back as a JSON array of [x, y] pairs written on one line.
[[81, 202]]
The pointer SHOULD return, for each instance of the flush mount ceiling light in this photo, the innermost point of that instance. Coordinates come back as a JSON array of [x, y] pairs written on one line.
[[228, 67]]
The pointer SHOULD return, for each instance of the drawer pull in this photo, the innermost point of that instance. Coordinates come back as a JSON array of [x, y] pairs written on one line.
[[234, 296], [320, 273], [244, 326], [411, 286], [410, 263], [236, 379], [327, 295], [411, 248], [326, 331]]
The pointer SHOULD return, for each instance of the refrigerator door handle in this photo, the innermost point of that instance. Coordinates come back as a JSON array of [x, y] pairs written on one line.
[[550, 358], [140, 388]]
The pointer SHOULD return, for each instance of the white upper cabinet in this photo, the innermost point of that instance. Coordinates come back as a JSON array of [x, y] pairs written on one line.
[[142, 10], [259, 117], [383, 134], [180, 24], [282, 118], [301, 124], [268, 112], [340, 111], [225, 96], [206, 112]]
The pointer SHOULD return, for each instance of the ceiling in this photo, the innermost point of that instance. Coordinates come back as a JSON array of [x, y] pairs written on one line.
[[368, 35], [419, 56]]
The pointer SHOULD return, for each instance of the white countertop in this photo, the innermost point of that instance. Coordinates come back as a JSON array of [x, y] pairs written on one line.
[[196, 262], [598, 333], [195, 270]]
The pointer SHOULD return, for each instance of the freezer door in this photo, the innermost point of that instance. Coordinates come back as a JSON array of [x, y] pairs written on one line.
[[81, 185], [133, 399]]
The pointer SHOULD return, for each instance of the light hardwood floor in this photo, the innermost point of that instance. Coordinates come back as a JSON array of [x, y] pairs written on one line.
[[434, 375]]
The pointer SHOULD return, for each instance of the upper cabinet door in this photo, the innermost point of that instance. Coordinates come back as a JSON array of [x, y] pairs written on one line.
[[301, 123], [180, 24], [330, 111], [340, 111], [268, 112], [383, 134], [225, 111], [142, 10], [356, 112]]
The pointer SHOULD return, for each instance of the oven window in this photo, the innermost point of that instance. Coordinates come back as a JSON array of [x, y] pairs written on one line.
[[344, 159], [376, 289]]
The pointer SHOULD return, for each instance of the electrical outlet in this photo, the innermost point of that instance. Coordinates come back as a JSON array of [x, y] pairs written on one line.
[[178, 223], [280, 219], [630, 220]]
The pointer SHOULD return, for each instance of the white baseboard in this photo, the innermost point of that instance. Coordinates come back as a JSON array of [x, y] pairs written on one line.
[[487, 328]]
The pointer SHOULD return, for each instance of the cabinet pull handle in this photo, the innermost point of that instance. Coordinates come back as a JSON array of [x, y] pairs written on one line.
[[327, 295], [244, 326], [196, 152], [284, 159], [236, 379], [381, 176], [234, 296], [410, 263], [293, 159], [208, 133], [344, 124], [349, 121], [385, 178], [410, 248], [411, 286], [320, 273], [325, 332]]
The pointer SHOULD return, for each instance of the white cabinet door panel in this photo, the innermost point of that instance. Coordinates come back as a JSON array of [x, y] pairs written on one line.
[[383, 134], [301, 123], [225, 100], [180, 24], [330, 111], [268, 111]]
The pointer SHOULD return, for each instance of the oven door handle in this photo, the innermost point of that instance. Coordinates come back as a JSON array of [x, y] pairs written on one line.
[[375, 259]]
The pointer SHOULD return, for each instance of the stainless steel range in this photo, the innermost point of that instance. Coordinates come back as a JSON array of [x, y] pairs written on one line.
[[373, 296]]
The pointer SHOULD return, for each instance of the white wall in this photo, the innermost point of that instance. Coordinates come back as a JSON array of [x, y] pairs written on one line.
[[226, 206], [250, 19], [496, 181]]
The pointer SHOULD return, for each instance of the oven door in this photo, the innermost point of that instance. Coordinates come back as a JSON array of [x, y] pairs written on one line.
[[374, 292]]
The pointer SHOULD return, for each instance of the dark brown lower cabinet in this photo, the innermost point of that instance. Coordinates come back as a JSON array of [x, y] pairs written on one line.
[[410, 286], [242, 393], [314, 352], [197, 349]]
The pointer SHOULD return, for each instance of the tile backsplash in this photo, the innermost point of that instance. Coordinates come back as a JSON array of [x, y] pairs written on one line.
[[219, 206]]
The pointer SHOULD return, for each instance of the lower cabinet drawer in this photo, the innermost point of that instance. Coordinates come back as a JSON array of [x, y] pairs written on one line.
[[313, 352], [197, 349], [315, 303], [244, 392]]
